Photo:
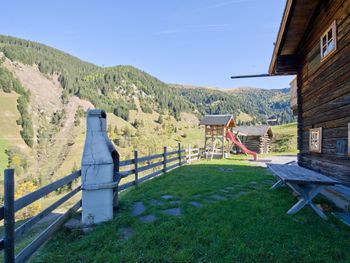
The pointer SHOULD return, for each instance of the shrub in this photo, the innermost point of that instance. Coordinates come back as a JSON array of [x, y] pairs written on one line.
[[145, 107], [23, 189]]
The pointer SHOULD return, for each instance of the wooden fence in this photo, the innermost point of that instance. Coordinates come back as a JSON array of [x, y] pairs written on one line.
[[138, 166]]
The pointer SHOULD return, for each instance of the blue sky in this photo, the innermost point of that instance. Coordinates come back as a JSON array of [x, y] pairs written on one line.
[[199, 42]]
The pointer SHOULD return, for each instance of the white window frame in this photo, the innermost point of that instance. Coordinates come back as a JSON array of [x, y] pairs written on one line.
[[333, 30], [318, 147]]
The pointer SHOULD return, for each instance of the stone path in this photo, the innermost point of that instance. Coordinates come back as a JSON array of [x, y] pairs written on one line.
[[138, 208], [167, 197], [196, 204], [148, 218], [170, 205], [218, 197], [126, 232], [173, 211]]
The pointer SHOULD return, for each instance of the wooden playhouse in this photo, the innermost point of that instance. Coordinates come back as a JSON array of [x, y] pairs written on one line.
[[214, 134]]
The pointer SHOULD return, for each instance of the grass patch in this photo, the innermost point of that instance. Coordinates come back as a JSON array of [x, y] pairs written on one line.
[[250, 225], [285, 138]]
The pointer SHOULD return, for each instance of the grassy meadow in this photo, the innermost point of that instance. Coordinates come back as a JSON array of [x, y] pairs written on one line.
[[247, 224]]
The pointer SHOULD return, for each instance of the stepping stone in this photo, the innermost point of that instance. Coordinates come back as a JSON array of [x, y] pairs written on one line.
[[147, 218], [218, 197], [239, 194], [253, 182], [175, 202], [73, 224], [167, 197], [224, 191], [195, 204], [173, 211], [156, 202], [138, 208], [230, 188], [208, 200], [126, 232]]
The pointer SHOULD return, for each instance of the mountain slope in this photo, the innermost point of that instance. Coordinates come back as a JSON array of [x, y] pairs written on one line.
[[104, 87], [248, 105], [53, 89]]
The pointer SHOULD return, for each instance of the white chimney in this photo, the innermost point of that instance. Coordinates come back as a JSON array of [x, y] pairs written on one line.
[[98, 171]]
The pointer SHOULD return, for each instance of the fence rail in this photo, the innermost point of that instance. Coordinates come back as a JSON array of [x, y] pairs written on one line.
[[11, 206], [156, 164]]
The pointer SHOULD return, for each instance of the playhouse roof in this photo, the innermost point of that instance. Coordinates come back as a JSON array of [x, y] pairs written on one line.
[[226, 120], [255, 130]]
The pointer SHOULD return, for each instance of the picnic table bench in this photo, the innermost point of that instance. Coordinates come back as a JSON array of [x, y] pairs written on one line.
[[306, 183]]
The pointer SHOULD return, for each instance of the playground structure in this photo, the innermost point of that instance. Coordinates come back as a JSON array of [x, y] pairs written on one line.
[[219, 138]]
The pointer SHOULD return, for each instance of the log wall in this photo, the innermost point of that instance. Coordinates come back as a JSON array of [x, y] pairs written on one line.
[[258, 144], [324, 99]]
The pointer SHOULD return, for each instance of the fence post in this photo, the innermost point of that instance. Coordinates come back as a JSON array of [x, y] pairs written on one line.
[[165, 160], [9, 216], [136, 169], [189, 153], [179, 152]]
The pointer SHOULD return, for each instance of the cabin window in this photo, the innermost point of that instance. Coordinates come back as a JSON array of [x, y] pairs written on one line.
[[329, 41], [315, 140]]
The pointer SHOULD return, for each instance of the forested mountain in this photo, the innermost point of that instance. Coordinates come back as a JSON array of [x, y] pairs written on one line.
[[114, 88], [248, 105], [45, 92]]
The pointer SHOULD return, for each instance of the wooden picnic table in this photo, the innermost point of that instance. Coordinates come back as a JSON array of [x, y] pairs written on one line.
[[306, 183]]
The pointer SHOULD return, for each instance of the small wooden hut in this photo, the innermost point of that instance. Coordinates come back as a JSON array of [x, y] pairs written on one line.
[[215, 129], [255, 138]]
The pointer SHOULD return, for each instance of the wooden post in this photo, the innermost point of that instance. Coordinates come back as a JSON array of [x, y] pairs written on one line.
[[205, 139], [189, 153], [179, 152], [165, 160], [223, 142], [136, 169], [9, 216]]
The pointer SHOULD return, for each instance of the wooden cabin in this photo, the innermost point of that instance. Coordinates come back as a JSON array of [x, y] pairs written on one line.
[[214, 135], [313, 43], [255, 138]]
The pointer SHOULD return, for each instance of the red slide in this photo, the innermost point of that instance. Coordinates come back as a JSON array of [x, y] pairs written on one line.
[[232, 138]]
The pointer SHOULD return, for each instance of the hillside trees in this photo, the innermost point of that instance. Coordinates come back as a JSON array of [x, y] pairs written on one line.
[[114, 88], [9, 83], [107, 88]]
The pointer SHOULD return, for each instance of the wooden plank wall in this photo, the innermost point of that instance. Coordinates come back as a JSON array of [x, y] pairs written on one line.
[[325, 92]]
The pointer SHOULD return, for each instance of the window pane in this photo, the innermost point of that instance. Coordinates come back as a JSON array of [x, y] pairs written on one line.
[[324, 50], [330, 34], [330, 45], [324, 40]]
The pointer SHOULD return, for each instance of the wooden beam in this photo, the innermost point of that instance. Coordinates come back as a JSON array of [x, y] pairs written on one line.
[[251, 76], [287, 64]]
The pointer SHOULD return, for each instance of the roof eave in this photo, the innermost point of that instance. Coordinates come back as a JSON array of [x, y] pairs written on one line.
[[280, 36]]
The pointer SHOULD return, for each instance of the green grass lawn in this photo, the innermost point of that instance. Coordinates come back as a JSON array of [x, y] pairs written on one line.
[[250, 225]]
